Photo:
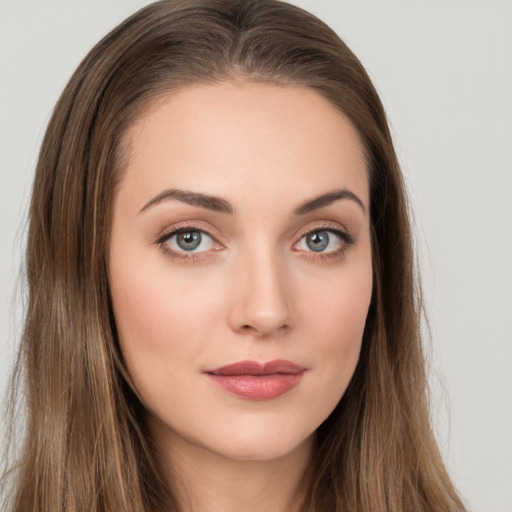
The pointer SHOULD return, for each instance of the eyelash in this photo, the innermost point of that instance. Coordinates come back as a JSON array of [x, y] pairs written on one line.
[[347, 241], [187, 257], [190, 257]]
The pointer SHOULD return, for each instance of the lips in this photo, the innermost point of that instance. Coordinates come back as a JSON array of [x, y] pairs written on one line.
[[258, 381]]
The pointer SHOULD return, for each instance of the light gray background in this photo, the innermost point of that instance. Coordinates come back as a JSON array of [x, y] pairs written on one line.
[[444, 72]]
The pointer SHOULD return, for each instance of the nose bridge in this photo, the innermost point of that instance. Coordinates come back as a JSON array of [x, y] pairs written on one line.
[[262, 302]]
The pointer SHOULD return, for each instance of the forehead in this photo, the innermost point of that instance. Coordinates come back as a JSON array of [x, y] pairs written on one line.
[[243, 140]]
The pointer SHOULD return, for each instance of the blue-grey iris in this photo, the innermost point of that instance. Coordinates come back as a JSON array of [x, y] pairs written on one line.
[[188, 240], [317, 241]]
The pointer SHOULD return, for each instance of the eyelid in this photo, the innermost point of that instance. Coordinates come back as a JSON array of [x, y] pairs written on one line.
[[187, 256], [328, 226], [333, 227], [347, 240], [188, 225]]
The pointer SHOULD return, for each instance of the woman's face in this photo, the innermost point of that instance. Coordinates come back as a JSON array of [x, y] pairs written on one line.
[[241, 237]]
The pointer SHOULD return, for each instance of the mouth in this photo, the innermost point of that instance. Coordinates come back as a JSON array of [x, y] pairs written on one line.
[[258, 381]]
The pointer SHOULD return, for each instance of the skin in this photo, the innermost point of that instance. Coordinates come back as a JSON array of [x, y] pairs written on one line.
[[255, 290]]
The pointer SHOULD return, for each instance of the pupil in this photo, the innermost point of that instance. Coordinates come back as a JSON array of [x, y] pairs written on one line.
[[189, 240], [317, 241]]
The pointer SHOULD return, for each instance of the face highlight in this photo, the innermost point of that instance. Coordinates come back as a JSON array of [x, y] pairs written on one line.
[[240, 266]]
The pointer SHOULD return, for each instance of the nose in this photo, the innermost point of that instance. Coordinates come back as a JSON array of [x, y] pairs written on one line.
[[261, 303]]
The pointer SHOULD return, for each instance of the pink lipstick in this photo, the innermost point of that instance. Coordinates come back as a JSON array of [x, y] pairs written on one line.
[[258, 381]]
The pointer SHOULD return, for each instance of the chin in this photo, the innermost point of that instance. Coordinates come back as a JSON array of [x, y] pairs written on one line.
[[264, 448], [257, 439]]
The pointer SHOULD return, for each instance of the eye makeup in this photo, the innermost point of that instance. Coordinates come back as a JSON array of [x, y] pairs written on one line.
[[169, 242], [325, 234], [190, 243]]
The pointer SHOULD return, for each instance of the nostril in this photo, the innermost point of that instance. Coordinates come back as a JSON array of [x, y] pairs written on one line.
[[249, 329], [263, 331]]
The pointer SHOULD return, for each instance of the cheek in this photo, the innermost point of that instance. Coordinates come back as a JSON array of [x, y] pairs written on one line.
[[336, 318], [155, 325], [338, 307], [167, 317], [140, 318], [152, 317]]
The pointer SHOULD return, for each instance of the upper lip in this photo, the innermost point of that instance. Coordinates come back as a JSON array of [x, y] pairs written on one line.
[[257, 368]]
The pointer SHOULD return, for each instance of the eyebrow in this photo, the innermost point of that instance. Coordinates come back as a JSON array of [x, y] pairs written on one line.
[[217, 204], [326, 200]]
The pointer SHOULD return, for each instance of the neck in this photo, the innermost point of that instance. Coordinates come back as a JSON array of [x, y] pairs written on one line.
[[203, 480]]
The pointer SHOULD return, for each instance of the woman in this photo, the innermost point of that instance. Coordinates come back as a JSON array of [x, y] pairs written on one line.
[[223, 311]]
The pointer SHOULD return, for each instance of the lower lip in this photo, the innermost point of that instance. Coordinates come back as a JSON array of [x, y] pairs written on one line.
[[258, 387]]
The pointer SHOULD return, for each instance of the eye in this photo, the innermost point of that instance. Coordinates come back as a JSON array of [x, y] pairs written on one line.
[[324, 241], [189, 240]]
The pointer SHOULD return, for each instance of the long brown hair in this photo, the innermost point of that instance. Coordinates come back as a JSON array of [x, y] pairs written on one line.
[[84, 445]]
